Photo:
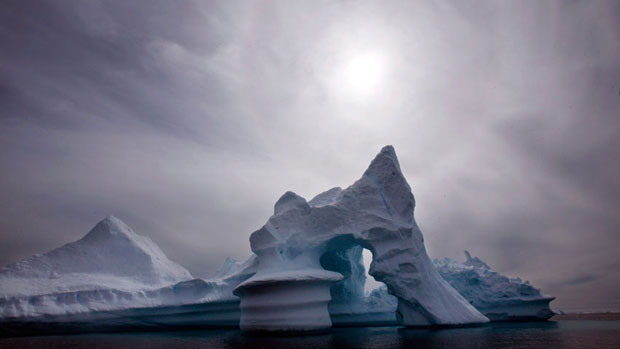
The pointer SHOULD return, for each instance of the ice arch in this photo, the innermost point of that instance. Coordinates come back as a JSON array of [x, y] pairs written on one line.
[[349, 304], [347, 295], [290, 290]]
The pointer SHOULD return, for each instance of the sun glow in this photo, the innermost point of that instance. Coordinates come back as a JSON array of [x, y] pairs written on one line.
[[364, 73]]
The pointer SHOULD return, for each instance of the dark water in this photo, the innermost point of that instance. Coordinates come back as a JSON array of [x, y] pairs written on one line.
[[560, 334]]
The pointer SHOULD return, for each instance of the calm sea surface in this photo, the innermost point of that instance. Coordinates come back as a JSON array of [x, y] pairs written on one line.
[[558, 334]]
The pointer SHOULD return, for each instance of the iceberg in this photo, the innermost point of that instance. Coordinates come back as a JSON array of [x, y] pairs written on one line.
[[291, 289], [110, 254], [112, 273], [306, 273], [496, 296]]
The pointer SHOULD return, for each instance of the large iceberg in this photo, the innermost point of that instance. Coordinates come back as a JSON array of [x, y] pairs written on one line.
[[110, 254], [291, 289], [498, 297], [306, 273], [112, 269]]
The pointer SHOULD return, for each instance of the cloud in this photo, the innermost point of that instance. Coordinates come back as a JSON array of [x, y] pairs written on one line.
[[188, 120], [579, 280]]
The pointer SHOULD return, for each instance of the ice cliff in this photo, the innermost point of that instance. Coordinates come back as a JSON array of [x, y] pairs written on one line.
[[291, 289]]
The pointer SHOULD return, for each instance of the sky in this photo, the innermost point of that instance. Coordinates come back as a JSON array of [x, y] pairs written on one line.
[[189, 119]]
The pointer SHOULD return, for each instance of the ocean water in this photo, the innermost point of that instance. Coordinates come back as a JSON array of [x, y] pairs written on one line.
[[552, 334]]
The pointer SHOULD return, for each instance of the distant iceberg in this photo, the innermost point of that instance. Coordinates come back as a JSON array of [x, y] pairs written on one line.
[[110, 269], [109, 255], [498, 297]]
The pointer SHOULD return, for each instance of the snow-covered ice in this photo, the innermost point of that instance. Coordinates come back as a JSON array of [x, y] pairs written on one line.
[[291, 289], [111, 255], [110, 268]]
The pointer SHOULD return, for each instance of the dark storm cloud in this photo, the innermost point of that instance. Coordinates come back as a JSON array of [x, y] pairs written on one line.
[[189, 119]]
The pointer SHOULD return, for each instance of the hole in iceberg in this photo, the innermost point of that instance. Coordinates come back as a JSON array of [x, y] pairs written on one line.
[[371, 283], [357, 299]]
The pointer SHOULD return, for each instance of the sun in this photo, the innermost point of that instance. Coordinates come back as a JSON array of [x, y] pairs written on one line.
[[357, 77], [364, 73]]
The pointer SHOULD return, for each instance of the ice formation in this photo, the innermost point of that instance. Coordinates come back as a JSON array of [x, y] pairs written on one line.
[[110, 254], [111, 269], [307, 273], [350, 305], [498, 297], [291, 289]]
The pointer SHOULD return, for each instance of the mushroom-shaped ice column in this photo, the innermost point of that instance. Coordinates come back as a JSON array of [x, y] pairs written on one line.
[[290, 289]]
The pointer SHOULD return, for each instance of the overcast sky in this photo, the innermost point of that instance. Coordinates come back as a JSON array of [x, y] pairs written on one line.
[[188, 120]]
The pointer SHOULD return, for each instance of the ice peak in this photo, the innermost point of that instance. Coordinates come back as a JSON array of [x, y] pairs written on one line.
[[388, 149], [110, 226], [385, 164], [384, 171], [113, 222], [227, 268], [475, 261], [289, 201], [110, 248], [327, 197], [467, 255]]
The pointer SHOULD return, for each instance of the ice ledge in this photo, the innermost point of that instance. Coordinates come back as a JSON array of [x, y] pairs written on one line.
[[289, 275]]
